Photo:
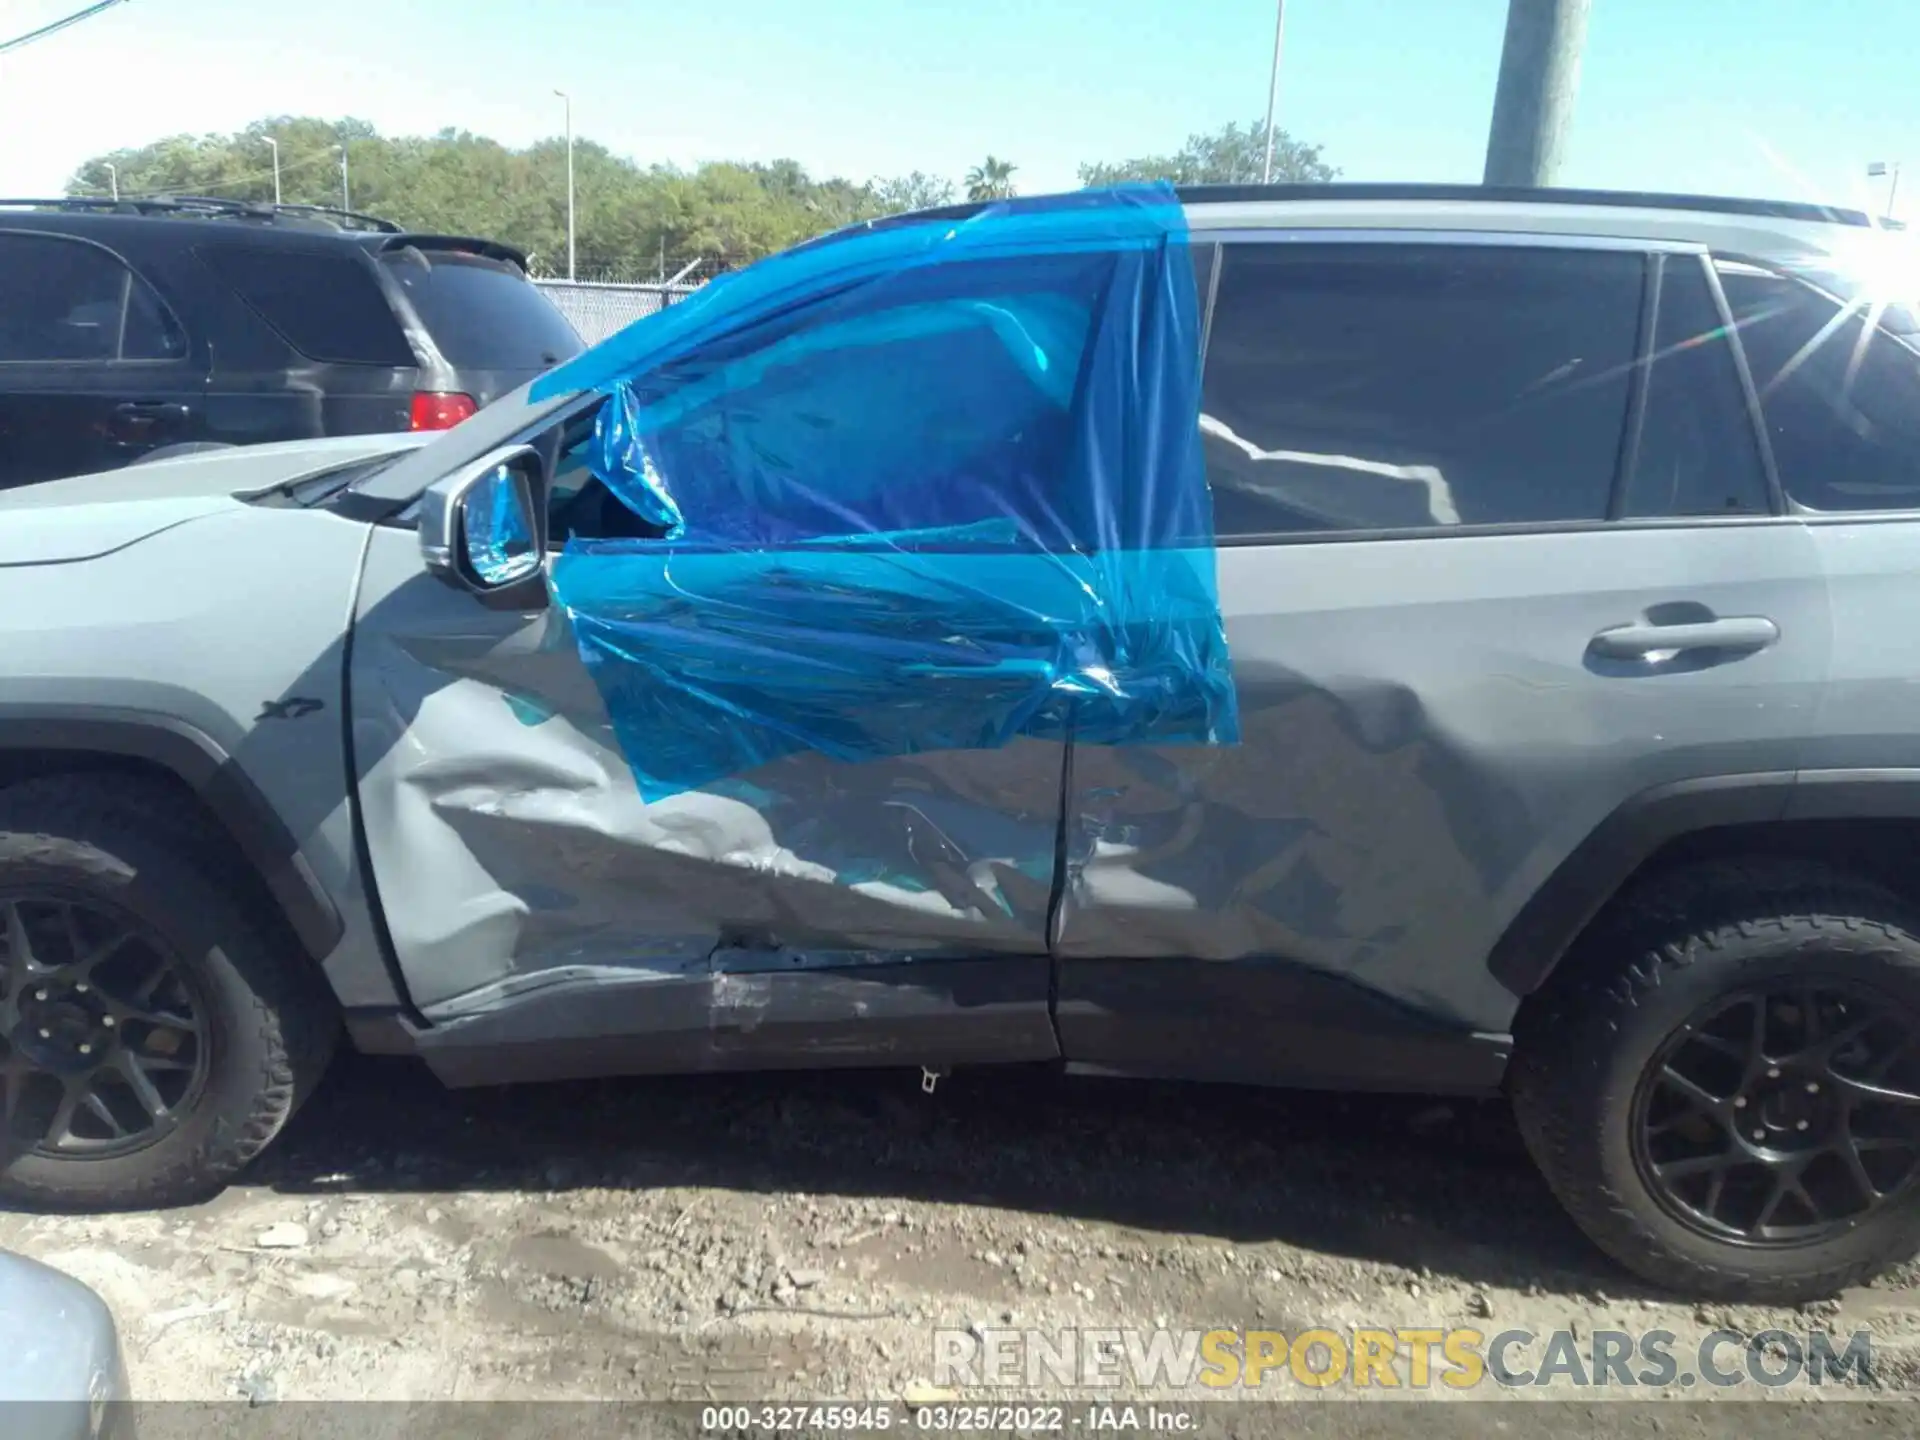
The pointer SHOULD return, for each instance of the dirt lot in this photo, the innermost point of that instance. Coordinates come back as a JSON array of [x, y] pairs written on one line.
[[755, 1237]]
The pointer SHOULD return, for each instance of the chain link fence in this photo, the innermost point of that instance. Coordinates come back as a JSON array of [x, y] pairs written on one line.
[[598, 309]]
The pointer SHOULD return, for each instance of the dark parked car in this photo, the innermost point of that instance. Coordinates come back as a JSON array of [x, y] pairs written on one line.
[[132, 328]]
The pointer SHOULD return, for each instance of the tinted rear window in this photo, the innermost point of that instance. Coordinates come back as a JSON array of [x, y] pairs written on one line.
[[326, 306], [1390, 386], [1698, 452], [483, 314], [64, 299]]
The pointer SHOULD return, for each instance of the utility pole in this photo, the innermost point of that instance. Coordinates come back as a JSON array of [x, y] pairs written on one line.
[[1880, 168], [1273, 85], [276, 166], [569, 103], [1539, 75], [113, 178], [345, 202]]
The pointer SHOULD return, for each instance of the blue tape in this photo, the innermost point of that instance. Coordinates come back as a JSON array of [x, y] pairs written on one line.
[[935, 486]]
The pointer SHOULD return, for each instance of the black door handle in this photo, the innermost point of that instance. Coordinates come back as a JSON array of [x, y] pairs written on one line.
[[1637, 642]]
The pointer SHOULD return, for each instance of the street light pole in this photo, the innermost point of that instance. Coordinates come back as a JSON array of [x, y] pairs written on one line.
[[1882, 167], [1273, 86], [113, 178], [276, 166], [568, 99]]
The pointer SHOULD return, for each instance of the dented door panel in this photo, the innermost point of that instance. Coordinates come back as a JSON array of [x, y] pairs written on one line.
[[1426, 735], [514, 853]]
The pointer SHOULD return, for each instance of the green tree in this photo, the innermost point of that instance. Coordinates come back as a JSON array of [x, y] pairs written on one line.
[[633, 221], [1234, 155], [918, 191], [991, 179]]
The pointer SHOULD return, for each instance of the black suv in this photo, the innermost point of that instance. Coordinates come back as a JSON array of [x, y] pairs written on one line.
[[132, 327]]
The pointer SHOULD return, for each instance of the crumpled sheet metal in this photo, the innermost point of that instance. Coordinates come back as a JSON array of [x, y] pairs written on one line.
[[924, 487]]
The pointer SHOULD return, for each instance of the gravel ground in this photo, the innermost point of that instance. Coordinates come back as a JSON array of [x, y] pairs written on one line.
[[800, 1236]]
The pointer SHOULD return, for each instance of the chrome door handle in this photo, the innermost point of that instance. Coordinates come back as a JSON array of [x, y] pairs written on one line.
[[1636, 642]]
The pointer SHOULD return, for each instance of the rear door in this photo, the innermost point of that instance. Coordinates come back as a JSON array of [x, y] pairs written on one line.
[[316, 348], [1838, 374], [1498, 550], [95, 370], [486, 328]]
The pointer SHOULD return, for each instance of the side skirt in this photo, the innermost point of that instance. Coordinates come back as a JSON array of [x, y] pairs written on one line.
[[1263, 1022], [936, 1013]]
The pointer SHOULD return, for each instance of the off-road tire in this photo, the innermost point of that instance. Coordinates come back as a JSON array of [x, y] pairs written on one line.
[[140, 845], [1670, 946]]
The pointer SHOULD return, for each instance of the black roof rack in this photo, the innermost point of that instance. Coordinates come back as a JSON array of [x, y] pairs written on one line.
[[334, 212], [208, 206]]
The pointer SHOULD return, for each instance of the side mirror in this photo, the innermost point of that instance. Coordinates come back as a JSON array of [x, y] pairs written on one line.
[[483, 529]]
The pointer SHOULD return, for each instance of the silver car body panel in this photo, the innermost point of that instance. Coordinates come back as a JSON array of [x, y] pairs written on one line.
[[206, 628], [60, 1359]]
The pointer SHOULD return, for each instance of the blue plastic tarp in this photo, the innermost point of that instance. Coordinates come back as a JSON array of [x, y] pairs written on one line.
[[934, 485]]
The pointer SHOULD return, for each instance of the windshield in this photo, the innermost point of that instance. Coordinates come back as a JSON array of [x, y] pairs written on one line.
[[483, 314]]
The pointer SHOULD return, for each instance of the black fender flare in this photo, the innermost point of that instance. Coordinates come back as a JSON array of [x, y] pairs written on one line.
[[1586, 880], [195, 759]]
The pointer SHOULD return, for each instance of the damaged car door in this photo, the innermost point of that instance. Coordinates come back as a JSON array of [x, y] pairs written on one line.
[[767, 766]]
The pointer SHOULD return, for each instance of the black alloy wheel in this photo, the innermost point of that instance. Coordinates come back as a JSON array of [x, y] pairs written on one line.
[[104, 1041], [158, 1023], [1783, 1115]]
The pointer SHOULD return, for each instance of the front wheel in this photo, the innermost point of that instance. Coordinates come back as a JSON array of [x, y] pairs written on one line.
[[154, 1037], [1723, 1087]]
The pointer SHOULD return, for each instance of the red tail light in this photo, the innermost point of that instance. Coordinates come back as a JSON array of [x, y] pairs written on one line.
[[439, 409]]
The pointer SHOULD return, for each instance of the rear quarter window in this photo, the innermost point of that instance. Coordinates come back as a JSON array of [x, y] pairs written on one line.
[[1840, 393], [482, 314], [329, 307]]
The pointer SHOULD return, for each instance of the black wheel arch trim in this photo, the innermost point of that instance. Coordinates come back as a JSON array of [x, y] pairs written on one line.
[[1592, 875], [198, 761]]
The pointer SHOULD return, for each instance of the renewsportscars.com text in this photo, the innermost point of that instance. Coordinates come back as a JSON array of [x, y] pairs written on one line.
[[1395, 1358]]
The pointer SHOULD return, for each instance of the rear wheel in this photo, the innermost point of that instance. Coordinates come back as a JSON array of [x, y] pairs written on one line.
[[154, 1035], [1723, 1084]]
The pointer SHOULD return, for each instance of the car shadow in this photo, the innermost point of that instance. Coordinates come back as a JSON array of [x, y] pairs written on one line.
[[1443, 1186]]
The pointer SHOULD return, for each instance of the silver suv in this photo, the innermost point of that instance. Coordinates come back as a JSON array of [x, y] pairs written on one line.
[[1565, 739]]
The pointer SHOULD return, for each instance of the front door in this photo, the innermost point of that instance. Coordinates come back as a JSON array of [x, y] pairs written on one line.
[[94, 369], [778, 776], [1486, 575], [809, 910]]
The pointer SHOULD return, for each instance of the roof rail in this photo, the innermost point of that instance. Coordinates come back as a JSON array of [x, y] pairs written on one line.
[[1467, 194], [208, 205], [1513, 194], [360, 218]]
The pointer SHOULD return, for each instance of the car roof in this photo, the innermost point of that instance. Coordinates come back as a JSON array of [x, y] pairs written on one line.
[[262, 225]]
